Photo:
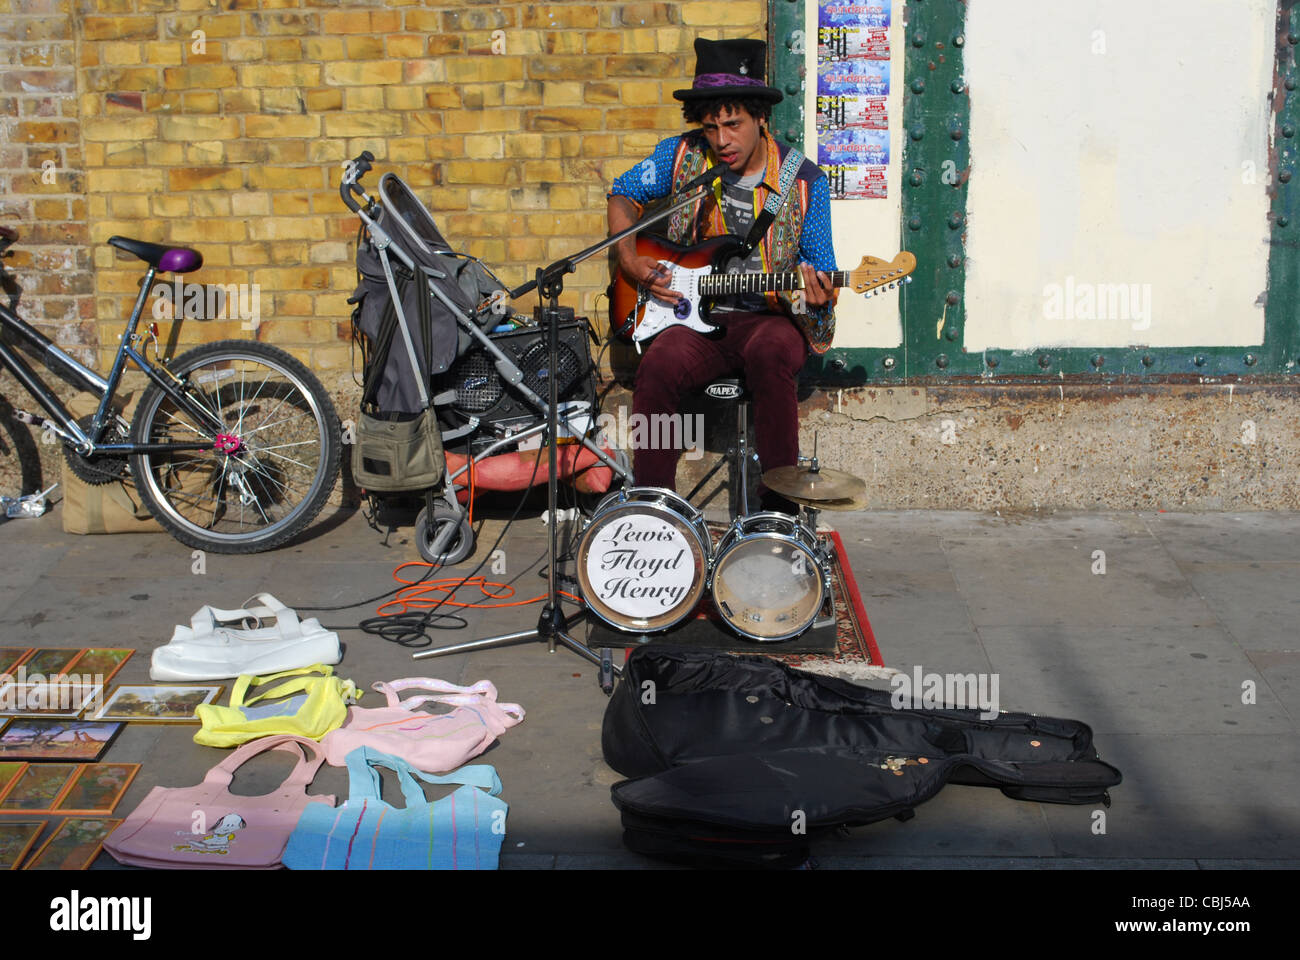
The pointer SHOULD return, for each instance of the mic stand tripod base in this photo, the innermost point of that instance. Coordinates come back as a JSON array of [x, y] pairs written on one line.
[[552, 626]]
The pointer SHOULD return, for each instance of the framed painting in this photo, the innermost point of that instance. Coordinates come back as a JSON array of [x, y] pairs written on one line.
[[45, 739], [50, 661], [11, 658], [16, 838], [38, 788], [74, 845], [57, 698], [156, 703], [101, 662], [96, 788]]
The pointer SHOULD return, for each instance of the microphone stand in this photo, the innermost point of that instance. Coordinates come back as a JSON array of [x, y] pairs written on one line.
[[552, 625]]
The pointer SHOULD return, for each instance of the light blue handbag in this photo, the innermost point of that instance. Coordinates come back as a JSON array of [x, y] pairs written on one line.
[[462, 831]]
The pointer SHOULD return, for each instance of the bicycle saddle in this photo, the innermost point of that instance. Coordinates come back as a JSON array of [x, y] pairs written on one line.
[[169, 259]]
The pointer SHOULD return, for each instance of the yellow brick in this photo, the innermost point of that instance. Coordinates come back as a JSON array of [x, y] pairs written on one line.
[[568, 224], [364, 48], [201, 101], [438, 96], [359, 99], [124, 181], [672, 41], [117, 128], [444, 148], [645, 118], [421, 123], [331, 358], [363, 125], [295, 24], [275, 330], [199, 128], [567, 197], [323, 48], [526, 94], [243, 49], [639, 41], [488, 199], [241, 101], [120, 79], [524, 249], [288, 204], [124, 154], [211, 205], [490, 251], [564, 42], [245, 204], [525, 145], [205, 178], [248, 151], [283, 125], [299, 278], [120, 54], [404, 150], [525, 43], [286, 151], [158, 153], [281, 100], [209, 231], [550, 68], [203, 78], [562, 94], [542, 171], [403, 98], [468, 121], [405, 47], [363, 72], [424, 71], [252, 254], [119, 28], [130, 206], [481, 69], [325, 98], [484, 147], [280, 75], [704, 13], [205, 153], [441, 44], [564, 118], [501, 172], [604, 41], [551, 16], [602, 92], [284, 48], [641, 65], [325, 151], [479, 96], [640, 93], [284, 178]]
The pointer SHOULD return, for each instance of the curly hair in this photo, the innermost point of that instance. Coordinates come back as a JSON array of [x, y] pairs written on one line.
[[696, 110]]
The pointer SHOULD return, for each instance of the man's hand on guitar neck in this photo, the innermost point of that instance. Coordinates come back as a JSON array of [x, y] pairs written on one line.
[[817, 288]]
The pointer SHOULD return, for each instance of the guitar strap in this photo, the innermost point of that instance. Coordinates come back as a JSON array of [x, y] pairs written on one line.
[[793, 160]]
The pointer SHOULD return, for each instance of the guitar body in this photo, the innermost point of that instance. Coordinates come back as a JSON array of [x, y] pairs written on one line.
[[639, 318]]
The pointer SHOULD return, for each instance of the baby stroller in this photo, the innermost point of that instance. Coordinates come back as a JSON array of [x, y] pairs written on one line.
[[453, 379]]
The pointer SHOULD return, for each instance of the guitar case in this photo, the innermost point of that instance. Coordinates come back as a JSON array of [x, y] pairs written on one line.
[[741, 760]]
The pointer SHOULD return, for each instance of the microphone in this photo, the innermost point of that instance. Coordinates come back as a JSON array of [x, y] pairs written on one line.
[[708, 176]]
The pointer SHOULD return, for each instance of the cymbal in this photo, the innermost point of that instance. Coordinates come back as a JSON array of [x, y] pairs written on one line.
[[847, 503], [823, 485]]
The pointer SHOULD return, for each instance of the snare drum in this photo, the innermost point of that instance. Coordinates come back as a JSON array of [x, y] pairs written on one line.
[[770, 577], [643, 559]]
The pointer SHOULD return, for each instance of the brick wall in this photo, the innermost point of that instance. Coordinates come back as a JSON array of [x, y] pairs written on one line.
[[224, 125]]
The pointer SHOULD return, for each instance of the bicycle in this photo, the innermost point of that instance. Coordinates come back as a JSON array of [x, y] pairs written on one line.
[[234, 446]]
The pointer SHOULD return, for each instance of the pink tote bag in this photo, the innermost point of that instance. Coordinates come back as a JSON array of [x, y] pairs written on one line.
[[434, 743], [208, 827]]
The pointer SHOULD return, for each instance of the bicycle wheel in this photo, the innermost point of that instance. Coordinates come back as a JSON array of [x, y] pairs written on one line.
[[279, 456]]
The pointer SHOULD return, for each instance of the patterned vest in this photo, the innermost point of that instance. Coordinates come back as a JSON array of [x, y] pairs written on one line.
[[779, 247]]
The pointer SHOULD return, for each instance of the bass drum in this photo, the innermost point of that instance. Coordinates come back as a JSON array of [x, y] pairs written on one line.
[[770, 577], [643, 560]]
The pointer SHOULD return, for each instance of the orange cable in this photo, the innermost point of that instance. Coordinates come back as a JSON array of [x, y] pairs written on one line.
[[425, 593]]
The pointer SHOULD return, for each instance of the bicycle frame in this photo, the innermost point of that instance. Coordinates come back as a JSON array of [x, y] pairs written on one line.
[[58, 362]]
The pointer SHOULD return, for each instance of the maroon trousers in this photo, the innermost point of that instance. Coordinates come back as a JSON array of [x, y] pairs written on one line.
[[768, 348]]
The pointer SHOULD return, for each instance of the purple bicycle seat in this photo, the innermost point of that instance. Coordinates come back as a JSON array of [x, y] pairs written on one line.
[[168, 259]]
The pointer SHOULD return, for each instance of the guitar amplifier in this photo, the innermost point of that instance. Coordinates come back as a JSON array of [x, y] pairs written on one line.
[[482, 393]]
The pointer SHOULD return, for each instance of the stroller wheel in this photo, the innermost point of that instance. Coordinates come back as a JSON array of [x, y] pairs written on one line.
[[460, 542]]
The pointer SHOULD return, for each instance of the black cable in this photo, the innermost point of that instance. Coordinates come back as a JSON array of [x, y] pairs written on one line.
[[408, 629]]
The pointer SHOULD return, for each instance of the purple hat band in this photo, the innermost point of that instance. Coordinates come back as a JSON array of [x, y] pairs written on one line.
[[724, 80]]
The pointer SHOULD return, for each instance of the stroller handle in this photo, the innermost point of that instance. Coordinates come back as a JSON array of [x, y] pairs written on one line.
[[352, 175]]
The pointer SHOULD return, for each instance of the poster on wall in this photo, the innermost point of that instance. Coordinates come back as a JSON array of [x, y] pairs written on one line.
[[852, 97]]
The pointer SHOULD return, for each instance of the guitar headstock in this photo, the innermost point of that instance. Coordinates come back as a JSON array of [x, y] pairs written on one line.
[[873, 272]]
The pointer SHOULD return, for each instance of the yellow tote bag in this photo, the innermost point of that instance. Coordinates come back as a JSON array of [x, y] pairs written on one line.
[[310, 705]]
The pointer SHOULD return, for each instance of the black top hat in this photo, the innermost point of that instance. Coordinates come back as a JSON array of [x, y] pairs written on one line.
[[730, 68]]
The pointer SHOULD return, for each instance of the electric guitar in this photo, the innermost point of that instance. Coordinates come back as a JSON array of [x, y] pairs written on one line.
[[696, 273]]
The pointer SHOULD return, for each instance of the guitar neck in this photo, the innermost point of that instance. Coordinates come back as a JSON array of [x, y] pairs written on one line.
[[722, 284]]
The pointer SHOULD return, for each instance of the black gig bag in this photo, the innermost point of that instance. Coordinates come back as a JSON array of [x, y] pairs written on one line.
[[741, 760]]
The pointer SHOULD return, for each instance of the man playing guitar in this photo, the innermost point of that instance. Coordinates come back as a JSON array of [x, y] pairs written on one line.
[[765, 335]]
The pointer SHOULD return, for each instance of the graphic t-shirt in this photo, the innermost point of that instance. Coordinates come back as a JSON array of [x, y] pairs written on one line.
[[738, 212]]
